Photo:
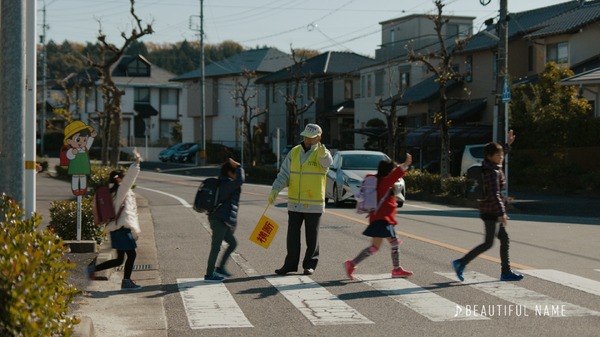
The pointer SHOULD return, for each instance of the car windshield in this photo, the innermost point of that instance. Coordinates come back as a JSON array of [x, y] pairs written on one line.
[[186, 146], [361, 162]]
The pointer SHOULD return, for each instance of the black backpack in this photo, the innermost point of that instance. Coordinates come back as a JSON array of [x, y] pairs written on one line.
[[207, 197], [475, 185]]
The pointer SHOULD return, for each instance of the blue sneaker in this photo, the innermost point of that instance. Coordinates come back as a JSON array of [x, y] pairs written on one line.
[[213, 278], [220, 271], [458, 268], [510, 276]]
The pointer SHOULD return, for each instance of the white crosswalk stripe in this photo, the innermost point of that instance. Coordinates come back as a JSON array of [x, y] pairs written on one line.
[[566, 279], [317, 304], [426, 303], [210, 305], [525, 299]]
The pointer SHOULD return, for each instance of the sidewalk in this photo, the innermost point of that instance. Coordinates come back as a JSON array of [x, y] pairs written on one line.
[[104, 309]]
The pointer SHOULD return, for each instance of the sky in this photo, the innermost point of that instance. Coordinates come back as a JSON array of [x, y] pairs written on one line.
[[323, 25]]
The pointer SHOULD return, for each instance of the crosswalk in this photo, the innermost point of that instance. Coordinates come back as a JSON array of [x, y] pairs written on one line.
[[211, 305]]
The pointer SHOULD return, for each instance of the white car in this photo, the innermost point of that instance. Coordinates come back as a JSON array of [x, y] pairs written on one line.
[[473, 155], [348, 170]]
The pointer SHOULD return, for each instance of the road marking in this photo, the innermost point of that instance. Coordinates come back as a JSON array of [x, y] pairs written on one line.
[[541, 304], [181, 200], [210, 305], [317, 304], [566, 279], [433, 242], [424, 302]]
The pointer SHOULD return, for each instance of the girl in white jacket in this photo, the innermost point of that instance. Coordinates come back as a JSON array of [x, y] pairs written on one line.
[[126, 229]]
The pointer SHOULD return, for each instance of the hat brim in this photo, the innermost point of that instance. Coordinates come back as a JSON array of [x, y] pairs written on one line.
[[308, 134]]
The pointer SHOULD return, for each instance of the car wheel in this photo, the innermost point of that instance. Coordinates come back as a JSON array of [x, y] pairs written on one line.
[[336, 197]]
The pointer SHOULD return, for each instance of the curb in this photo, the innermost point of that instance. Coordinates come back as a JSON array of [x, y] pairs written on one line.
[[85, 328]]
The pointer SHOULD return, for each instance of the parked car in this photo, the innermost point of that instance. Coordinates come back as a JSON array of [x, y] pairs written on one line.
[[473, 155], [186, 153], [167, 154], [348, 170]]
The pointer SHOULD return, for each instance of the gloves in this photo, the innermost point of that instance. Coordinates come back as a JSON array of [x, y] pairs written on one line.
[[321, 151], [273, 196]]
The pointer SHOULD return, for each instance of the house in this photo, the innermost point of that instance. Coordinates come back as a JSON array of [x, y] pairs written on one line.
[[331, 79], [564, 33], [222, 111], [151, 105], [393, 77]]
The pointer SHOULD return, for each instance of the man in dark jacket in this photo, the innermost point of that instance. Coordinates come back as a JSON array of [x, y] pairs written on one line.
[[224, 219]]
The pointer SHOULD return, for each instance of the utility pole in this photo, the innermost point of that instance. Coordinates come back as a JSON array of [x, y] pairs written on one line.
[[202, 90], [502, 90], [42, 125]]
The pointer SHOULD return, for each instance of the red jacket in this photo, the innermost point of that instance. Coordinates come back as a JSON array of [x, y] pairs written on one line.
[[387, 211]]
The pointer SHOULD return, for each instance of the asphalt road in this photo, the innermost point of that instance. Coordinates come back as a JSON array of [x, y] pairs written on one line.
[[433, 235]]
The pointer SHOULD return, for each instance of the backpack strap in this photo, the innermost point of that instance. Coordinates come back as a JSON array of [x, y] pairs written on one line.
[[382, 198]]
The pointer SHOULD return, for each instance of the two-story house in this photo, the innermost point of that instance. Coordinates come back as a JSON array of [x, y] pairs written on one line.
[[562, 33], [330, 79], [151, 105], [222, 110]]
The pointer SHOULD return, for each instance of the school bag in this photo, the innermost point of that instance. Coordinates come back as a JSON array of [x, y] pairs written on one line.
[[102, 207], [207, 196], [64, 161], [475, 185], [366, 198]]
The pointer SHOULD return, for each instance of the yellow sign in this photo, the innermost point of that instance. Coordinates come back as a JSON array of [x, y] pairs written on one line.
[[265, 231]]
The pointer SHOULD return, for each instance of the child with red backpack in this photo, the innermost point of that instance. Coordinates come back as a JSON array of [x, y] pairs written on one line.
[[382, 220]]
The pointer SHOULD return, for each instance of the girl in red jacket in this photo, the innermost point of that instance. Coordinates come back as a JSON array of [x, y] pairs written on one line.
[[383, 220]]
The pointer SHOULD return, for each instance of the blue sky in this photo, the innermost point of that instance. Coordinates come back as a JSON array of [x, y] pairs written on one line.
[[344, 25]]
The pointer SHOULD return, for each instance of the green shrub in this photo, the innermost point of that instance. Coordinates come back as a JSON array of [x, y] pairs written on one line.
[[33, 277], [418, 181], [63, 220], [454, 186]]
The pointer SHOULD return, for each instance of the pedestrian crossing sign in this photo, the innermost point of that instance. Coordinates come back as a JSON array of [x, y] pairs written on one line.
[[506, 92], [264, 232]]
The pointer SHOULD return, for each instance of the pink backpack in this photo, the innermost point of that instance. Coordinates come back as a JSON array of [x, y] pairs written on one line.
[[366, 198]]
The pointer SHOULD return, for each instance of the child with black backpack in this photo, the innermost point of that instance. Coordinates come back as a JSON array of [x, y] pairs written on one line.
[[492, 211], [383, 219], [223, 219]]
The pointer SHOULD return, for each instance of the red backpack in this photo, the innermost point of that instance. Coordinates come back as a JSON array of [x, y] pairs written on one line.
[[102, 207], [64, 161]]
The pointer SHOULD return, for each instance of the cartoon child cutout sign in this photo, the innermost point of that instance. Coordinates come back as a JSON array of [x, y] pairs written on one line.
[[79, 138]]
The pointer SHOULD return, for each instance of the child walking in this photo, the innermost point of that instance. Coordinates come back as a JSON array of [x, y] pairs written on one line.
[[492, 211], [125, 231], [383, 220], [224, 219]]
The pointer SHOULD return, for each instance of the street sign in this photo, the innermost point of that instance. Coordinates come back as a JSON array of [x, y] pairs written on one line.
[[506, 92]]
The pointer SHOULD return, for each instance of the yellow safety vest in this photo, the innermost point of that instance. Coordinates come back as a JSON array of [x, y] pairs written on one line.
[[307, 180]]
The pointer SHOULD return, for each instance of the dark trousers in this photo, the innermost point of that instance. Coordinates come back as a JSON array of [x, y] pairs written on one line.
[[131, 255], [311, 230], [220, 232], [490, 230]]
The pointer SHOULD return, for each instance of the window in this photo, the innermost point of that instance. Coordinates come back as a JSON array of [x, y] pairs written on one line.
[[168, 96], [311, 89], [495, 66], [379, 83], [363, 86], [141, 95], [274, 88], [138, 68], [348, 89], [530, 55], [392, 37], [404, 82], [558, 52], [369, 85]]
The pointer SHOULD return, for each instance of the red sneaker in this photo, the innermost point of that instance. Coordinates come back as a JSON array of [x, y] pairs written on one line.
[[350, 268], [400, 272]]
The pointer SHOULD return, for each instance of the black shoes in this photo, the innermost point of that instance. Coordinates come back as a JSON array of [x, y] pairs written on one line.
[[283, 270]]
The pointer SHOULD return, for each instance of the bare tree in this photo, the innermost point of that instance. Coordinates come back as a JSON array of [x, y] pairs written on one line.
[[444, 73], [293, 108], [110, 119], [391, 116], [244, 93]]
